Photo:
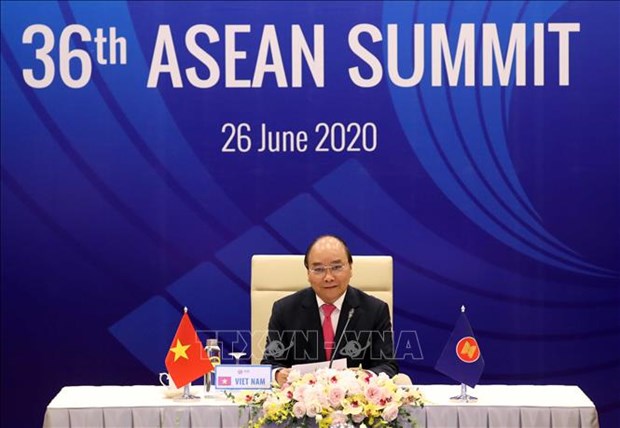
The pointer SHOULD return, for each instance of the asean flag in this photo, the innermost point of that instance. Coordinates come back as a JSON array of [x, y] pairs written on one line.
[[186, 359], [461, 358]]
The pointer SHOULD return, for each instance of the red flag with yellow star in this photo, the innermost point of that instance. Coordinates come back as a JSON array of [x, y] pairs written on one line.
[[186, 359]]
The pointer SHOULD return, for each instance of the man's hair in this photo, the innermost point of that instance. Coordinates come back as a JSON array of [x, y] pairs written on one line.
[[346, 248]]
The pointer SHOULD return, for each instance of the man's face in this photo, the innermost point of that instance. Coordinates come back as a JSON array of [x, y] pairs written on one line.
[[329, 284]]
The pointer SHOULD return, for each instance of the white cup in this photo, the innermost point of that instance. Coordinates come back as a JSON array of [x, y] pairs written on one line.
[[168, 383], [170, 389]]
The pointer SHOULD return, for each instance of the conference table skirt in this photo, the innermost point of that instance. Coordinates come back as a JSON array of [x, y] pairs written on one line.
[[182, 416], [497, 406]]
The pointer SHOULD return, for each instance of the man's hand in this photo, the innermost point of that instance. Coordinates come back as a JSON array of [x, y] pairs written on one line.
[[282, 375]]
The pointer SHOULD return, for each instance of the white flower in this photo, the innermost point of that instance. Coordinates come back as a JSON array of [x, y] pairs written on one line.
[[312, 394], [380, 380], [285, 395], [343, 394], [293, 376], [353, 387], [309, 379], [353, 408]]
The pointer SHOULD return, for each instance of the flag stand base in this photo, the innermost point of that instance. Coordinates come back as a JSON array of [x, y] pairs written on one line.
[[463, 397], [213, 395], [187, 395]]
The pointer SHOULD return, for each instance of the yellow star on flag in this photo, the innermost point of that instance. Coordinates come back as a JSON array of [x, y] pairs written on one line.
[[180, 350]]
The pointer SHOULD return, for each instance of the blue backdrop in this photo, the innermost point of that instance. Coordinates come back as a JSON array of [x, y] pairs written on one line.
[[130, 189]]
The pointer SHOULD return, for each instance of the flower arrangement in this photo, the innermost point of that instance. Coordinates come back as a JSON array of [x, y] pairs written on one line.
[[331, 398]]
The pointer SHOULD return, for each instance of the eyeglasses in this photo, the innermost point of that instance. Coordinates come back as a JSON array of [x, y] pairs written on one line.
[[322, 270]]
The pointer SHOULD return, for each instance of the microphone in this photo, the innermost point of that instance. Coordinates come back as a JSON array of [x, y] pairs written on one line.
[[344, 330]]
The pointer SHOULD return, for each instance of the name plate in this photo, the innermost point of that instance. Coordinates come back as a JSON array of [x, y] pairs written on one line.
[[242, 376]]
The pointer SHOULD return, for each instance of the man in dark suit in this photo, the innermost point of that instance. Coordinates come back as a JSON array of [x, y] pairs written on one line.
[[306, 326]]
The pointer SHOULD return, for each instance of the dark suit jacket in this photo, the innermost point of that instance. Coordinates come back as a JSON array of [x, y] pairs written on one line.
[[296, 336]]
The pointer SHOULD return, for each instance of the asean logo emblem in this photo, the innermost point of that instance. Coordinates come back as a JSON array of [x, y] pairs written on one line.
[[467, 350]]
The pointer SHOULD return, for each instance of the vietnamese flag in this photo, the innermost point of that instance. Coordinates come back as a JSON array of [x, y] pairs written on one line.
[[186, 359]]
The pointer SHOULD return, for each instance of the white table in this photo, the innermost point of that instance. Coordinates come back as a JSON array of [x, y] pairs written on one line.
[[508, 406], [138, 406], [497, 406]]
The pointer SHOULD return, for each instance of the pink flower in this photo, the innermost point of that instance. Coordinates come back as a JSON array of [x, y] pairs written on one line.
[[299, 410], [299, 393], [374, 394], [359, 418], [336, 395], [338, 418], [348, 396], [313, 409], [390, 412]]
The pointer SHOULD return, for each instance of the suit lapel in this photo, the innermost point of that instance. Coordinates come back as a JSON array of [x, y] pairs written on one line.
[[311, 319], [351, 301]]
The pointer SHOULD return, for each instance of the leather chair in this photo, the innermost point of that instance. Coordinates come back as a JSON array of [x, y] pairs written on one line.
[[276, 276]]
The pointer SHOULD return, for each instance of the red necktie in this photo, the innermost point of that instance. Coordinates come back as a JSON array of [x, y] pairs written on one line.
[[328, 329]]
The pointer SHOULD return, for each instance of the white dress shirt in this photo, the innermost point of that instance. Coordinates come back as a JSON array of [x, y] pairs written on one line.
[[335, 314], [335, 317]]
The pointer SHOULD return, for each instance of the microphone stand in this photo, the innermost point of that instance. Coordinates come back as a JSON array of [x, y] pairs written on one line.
[[344, 330]]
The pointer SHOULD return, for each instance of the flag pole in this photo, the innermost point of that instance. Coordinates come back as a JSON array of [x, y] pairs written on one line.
[[463, 397], [187, 394]]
